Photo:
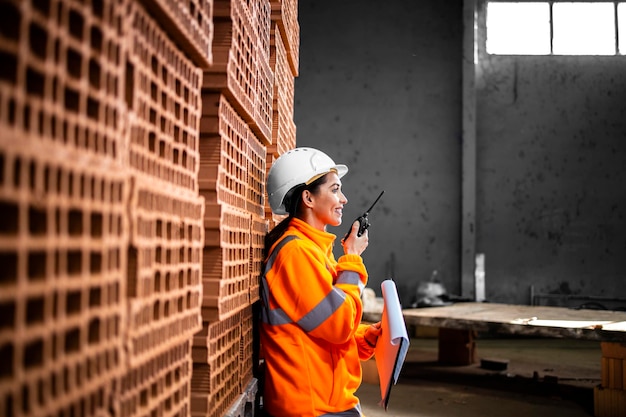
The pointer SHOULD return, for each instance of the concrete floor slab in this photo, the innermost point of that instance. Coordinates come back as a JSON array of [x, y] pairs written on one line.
[[438, 399], [544, 377]]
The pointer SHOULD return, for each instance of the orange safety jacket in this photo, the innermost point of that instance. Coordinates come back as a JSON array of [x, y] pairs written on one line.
[[311, 335]]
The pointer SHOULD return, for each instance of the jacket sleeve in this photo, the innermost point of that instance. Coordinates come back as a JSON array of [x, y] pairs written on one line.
[[301, 285], [365, 350]]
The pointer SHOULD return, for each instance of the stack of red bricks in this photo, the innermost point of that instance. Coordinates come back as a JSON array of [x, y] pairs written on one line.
[[242, 99], [610, 395], [135, 137], [63, 220], [164, 287]]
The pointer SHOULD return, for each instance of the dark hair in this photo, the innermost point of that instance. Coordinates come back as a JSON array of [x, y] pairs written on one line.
[[293, 198]]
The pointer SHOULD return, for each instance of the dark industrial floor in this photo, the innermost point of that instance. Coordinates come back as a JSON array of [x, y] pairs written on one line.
[[543, 377]]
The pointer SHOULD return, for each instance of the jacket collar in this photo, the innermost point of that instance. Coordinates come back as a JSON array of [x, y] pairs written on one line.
[[323, 239]]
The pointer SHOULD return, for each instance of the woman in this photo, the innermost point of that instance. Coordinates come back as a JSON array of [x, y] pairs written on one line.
[[312, 339]]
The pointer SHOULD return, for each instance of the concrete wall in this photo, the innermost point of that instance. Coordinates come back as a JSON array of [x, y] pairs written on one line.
[[550, 193], [551, 152], [380, 89]]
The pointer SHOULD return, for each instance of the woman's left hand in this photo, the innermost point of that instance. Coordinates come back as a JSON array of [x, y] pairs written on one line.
[[372, 333], [355, 244]]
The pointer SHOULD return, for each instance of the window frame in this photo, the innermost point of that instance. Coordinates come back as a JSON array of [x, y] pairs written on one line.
[[619, 10]]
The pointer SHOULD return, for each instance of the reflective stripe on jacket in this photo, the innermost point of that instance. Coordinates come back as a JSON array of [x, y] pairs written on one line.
[[311, 336]]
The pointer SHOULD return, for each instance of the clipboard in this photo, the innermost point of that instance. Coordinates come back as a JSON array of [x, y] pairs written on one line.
[[393, 342]]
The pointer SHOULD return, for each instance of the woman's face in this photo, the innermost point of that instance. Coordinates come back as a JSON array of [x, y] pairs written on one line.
[[327, 203]]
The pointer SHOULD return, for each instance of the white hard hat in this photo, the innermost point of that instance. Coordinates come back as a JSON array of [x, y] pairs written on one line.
[[296, 167]]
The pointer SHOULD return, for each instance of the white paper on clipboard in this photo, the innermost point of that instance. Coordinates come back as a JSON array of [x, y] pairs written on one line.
[[393, 342]]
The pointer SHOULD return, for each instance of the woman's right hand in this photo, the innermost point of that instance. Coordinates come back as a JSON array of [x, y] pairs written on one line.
[[355, 245]]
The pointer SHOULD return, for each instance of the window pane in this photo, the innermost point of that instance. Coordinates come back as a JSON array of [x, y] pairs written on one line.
[[518, 28], [621, 21], [584, 29]]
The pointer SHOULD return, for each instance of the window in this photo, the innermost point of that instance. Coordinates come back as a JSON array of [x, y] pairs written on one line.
[[583, 29], [556, 28], [518, 28]]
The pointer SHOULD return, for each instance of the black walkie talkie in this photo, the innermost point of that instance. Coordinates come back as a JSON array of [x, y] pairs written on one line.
[[363, 221]]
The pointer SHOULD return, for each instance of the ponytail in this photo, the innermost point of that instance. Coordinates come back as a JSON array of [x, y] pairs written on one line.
[[292, 204]]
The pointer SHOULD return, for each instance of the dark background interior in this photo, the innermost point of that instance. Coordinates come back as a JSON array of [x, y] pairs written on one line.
[[520, 158]]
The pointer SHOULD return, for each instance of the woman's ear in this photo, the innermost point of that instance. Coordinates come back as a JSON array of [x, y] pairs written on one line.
[[306, 198]]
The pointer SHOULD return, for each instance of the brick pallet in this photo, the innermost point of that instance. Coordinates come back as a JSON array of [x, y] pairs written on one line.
[[136, 136], [259, 227], [63, 238], [63, 231], [159, 386], [285, 14], [283, 127], [244, 404], [226, 262], [237, 141], [262, 117], [246, 349], [255, 195], [610, 395], [234, 68], [164, 286], [163, 94], [62, 75], [189, 23], [224, 153], [166, 211], [216, 356]]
